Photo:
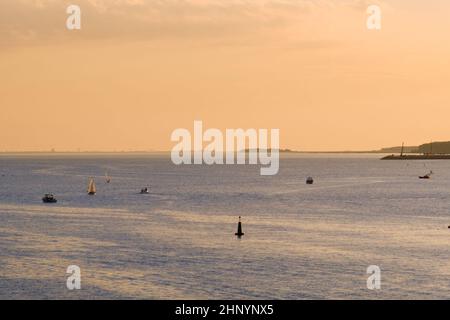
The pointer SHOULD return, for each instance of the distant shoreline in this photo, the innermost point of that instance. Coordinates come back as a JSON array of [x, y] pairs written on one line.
[[428, 148], [81, 152], [417, 157], [160, 152]]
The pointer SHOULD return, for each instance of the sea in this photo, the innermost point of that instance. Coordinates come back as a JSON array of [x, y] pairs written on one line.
[[319, 241]]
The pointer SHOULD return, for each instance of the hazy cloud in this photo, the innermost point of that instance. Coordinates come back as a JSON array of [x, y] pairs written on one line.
[[43, 21]]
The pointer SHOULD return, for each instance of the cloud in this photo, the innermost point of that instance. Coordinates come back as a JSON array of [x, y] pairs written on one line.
[[43, 21]]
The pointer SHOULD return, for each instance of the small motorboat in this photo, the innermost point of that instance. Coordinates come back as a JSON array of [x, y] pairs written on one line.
[[427, 176], [49, 198], [310, 180], [144, 191]]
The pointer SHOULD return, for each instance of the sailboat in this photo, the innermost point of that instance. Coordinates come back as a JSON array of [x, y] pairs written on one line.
[[91, 188], [108, 178]]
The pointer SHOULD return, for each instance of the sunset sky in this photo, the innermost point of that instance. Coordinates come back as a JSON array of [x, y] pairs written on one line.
[[138, 69]]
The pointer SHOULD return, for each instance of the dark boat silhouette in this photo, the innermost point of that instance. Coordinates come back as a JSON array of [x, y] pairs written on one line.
[[144, 191], [309, 180], [49, 198]]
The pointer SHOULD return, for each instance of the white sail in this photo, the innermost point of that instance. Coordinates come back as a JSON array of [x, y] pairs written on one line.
[[91, 187]]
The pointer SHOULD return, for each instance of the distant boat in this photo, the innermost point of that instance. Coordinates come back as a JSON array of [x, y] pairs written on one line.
[[108, 178], [49, 198], [427, 176], [91, 188], [310, 180], [144, 191]]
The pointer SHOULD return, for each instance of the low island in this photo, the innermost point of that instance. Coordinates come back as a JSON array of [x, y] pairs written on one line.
[[427, 151]]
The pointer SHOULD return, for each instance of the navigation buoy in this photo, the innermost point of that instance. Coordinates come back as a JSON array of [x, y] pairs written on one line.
[[239, 232]]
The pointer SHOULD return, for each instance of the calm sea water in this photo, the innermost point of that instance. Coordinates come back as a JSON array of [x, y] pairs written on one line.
[[301, 241]]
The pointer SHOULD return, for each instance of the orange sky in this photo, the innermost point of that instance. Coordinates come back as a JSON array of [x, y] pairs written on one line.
[[139, 69]]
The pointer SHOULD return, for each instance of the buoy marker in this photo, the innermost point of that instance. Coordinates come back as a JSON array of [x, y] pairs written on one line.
[[239, 232]]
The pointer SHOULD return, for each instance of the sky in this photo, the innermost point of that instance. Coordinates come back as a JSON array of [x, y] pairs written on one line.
[[139, 69]]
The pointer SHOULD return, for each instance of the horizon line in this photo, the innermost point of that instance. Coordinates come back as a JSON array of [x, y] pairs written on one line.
[[169, 151]]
